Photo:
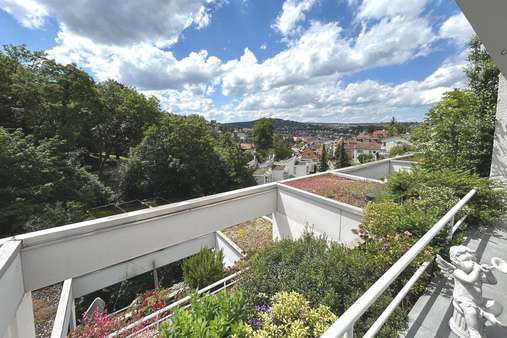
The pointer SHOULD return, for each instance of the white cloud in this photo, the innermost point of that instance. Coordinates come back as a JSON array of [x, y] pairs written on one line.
[[457, 28], [327, 99], [115, 22], [376, 9], [293, 11], [142, 65], [263, 46], [29, 13], [322, 51]]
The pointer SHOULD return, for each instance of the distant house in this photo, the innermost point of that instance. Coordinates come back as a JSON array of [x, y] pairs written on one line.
[[355, 147], [374, 136], [391, 142]]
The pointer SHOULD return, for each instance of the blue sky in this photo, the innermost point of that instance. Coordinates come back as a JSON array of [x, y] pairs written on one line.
[[234, 60]]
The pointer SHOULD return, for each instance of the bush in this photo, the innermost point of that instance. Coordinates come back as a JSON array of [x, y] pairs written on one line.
[[204, 268], [399, 149], [211, 316], [440, 189], [324, 273], [290, 315]]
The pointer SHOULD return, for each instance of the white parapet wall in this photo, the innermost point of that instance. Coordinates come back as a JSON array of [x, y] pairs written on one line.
[[299, 211]]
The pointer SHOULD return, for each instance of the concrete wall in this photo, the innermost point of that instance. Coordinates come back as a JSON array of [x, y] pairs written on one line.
[[298, 210], [399, 165], [377, 170], [499, 158]]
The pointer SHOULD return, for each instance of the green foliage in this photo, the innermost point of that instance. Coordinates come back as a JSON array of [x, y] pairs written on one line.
[[291, 315], [458, 131], [204, 268], [342, 160], [42, 186], [364, 158], [438, 190], [211, 316], [184, 157], [323, 166], [453, 140], [125, 116], [282, 147], [397, 128], [324, 273], [263, 133], [399, 149]]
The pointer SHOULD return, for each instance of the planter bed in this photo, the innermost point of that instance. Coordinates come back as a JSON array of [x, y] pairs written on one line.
[[341, 189], [251, 235]]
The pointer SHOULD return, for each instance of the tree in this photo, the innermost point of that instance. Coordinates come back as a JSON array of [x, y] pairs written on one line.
[[323, 166], [282, 147], [458, 131], [396, 128], [263, 133], [184, 157], [448, 137], [364, 158], [342, 159], [125, 116], [42, 186]]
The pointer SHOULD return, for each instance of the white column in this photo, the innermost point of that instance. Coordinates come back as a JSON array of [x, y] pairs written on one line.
[[499, 157], [23, 325]]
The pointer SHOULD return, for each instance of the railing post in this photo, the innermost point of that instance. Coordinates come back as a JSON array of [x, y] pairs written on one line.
[[349, 333]]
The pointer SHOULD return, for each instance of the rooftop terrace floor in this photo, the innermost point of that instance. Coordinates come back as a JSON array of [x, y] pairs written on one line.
[[430, 315]]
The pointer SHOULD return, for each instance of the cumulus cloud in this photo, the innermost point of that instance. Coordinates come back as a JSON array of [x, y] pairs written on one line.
[[142, 65], [30, 13], [323, 51], [329, 99], [115, 22], [376, 9], [457, 28], [293, 11]]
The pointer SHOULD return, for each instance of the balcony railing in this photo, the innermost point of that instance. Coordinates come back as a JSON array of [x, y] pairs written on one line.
[[344, 326], [94, 254]]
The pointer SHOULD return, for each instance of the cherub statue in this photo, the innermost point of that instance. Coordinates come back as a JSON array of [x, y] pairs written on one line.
[[471, 310]]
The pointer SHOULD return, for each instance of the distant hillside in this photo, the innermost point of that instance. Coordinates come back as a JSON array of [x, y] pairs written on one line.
[[280, 124]]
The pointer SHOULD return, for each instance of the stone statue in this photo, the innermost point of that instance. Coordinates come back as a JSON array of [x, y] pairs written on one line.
[[471, 310]]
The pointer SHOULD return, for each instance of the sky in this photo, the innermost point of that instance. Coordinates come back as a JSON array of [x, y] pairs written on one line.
[[237, 60]]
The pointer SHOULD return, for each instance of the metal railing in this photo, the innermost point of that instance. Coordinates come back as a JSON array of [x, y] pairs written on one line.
[[163, 314], [344, 326]]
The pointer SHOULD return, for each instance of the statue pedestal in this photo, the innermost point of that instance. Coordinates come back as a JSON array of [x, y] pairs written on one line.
[[458, 324]]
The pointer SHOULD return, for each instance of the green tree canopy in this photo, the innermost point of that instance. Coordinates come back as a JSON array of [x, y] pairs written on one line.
[[458, 132], [263, 133], [342, 159], [184, 157], [281, 147], [323, 166], [41, 182]]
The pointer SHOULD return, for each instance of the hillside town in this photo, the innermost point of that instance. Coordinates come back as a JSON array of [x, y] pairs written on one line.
[[310, 154]]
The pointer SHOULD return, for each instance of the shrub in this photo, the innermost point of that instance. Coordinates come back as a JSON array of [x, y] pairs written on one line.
[[290, 315], [211, 316], [324, 273], [443, 188], [399, 149], [204, 268]]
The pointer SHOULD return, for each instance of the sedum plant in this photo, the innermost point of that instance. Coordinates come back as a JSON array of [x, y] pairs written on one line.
[[204, 268], [291, 316]]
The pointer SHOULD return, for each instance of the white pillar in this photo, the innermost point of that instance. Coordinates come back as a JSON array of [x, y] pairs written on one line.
[[23, 325], [499, 156]]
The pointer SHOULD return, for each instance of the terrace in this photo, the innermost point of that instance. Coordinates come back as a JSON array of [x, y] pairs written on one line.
[[105, 251], [94, 254]]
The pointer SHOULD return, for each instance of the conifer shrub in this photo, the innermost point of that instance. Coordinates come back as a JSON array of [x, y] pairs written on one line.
[[204, 268]]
